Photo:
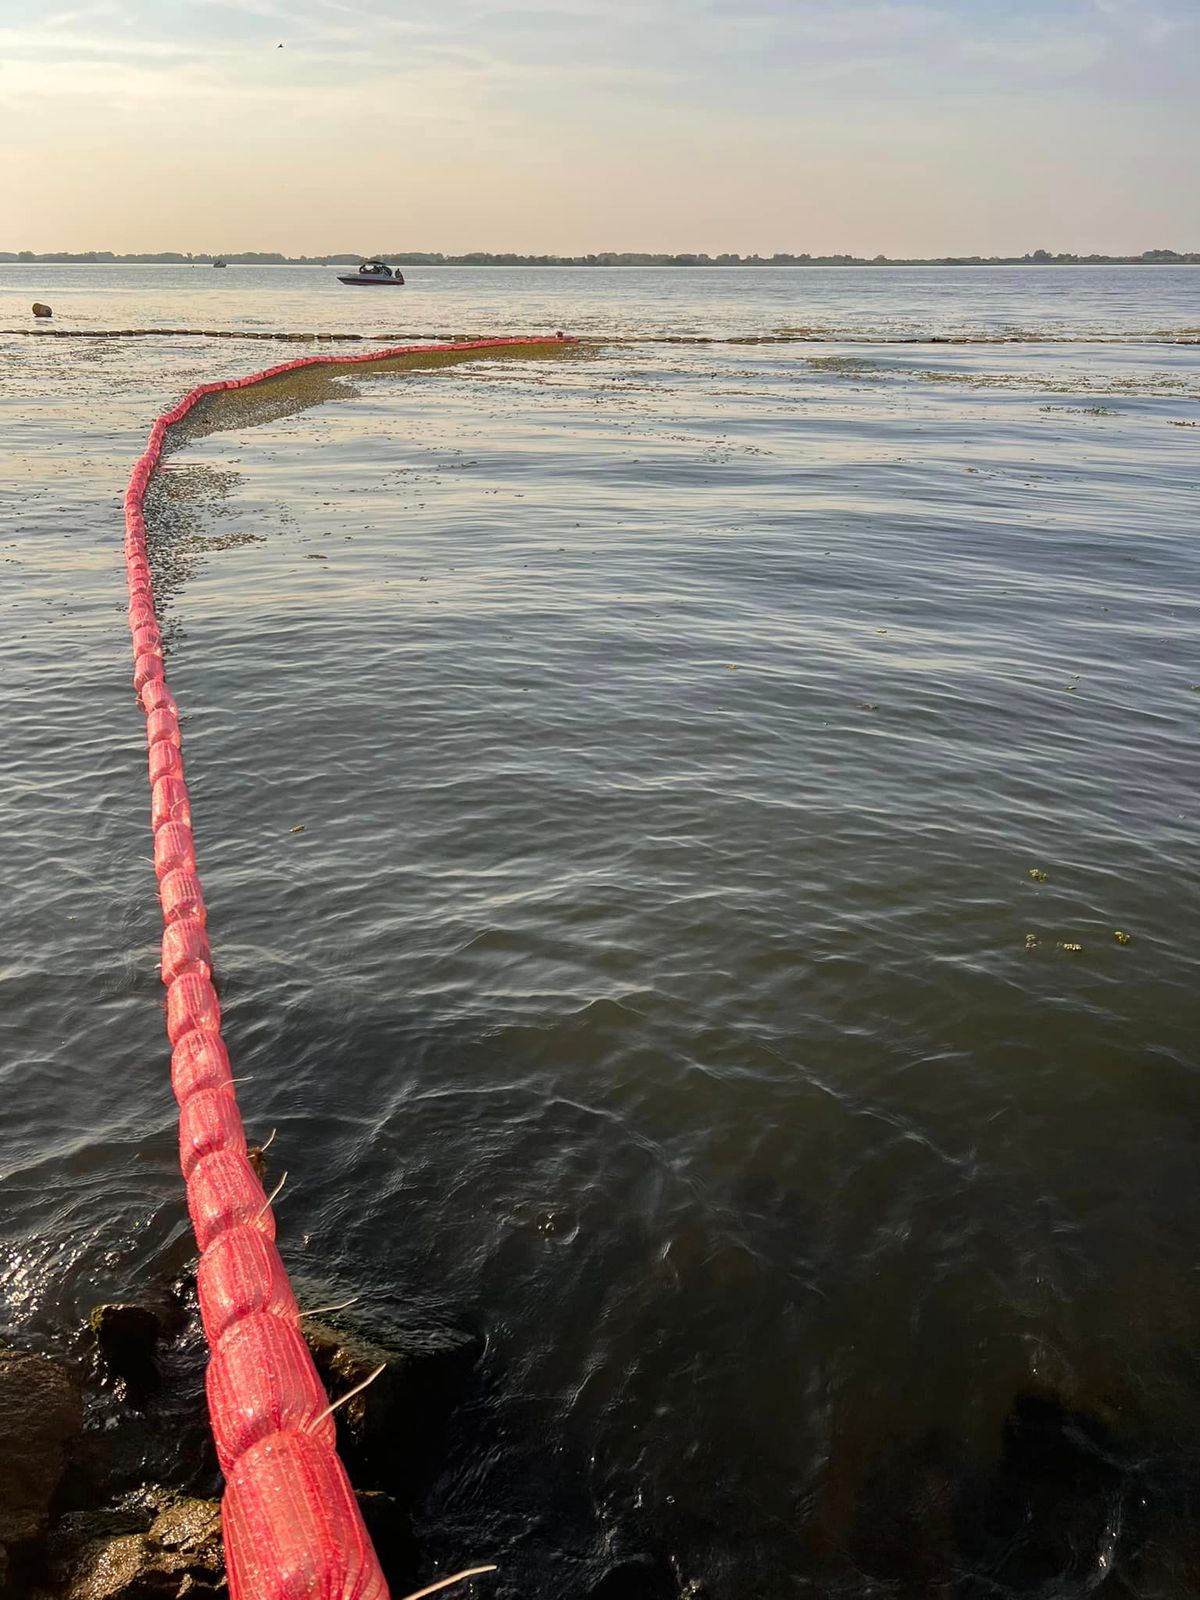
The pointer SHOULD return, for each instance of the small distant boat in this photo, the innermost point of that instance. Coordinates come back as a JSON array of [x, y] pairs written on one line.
[[374, 272], [220, 263]]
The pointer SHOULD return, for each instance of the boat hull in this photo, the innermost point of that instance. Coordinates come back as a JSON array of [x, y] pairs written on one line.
[[373, 283]]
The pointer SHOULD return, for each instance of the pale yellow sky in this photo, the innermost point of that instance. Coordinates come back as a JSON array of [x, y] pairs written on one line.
[[578, 125]]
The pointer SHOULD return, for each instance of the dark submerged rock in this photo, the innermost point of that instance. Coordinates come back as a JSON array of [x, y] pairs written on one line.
[[640, 1577], [424, 1374], [390, 1527], [1045, 1518], [41, 1412], [41, 310], [934, 1519], [128, 1337]]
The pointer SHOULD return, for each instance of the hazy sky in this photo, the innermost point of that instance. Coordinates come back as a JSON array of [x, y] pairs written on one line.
[[966, 126]]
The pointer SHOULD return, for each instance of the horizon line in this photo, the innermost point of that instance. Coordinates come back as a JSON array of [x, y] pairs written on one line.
[[603, 258]]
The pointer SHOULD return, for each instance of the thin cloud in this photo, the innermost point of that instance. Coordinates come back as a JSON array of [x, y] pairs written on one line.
[[878, 123]]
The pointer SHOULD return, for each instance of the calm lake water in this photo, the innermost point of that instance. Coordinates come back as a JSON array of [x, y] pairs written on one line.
[[723, 771]]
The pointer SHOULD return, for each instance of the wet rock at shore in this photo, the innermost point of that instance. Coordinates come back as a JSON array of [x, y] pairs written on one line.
[[41, 310], [424, 1373], [40, 1413], [152, 1546], [155, 1544]]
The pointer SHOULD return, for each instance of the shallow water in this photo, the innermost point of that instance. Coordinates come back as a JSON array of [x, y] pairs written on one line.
[[673, 732]]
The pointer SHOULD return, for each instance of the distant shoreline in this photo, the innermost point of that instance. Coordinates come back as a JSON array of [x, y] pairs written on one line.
[[1037, 258]]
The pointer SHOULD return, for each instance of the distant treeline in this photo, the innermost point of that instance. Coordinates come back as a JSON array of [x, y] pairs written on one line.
[[606, 258]]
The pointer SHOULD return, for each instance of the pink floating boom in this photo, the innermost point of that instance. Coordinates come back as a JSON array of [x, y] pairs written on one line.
[[292, 1527]]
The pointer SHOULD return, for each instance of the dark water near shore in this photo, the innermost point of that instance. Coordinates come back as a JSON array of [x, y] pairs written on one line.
[[658, 985]]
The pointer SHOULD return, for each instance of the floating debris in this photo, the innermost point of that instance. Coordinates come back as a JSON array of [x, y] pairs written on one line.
[[1038, 875], [1031, 942], [1122, 938], [1073, 948]]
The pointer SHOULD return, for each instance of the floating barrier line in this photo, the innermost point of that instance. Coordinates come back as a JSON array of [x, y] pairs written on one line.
[[292, 1526], [800, 336], [292, 336]]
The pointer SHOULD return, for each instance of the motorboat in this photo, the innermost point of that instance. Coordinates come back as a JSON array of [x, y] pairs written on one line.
[[374, 272], [219, 263]]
